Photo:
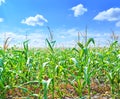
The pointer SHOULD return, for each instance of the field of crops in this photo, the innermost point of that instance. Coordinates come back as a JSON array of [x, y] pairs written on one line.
[[83, 72]]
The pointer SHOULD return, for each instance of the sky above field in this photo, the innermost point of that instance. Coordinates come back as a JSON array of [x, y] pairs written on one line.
[[65, 18]]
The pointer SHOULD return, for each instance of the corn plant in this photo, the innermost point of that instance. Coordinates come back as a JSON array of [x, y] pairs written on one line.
[[59, 72], [46, 85]]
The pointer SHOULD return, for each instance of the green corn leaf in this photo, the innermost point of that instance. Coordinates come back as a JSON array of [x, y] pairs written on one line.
[[46, 85], [46, 82], [75, 62], [24, 89], [80, 45], [25, 44], [45, 64], [75, 50], [50, 46], [1, 70], [87, 75], [1, 84], [89, 41], [53, 43], [1, 62]]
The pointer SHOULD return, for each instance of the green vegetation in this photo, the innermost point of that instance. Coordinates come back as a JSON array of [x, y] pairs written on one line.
[[52, 73]]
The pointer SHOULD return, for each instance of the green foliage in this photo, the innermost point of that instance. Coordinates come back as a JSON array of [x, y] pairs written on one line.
[[41, 72]]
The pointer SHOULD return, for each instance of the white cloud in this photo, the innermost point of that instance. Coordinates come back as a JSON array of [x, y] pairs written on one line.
[[2, 1], [112, 14], [69, 37], [64, 38], [64, 33], [79, 10], [66, 44], [35, 39], [118, 24], [36, 20], [1, 19], [71, 32]]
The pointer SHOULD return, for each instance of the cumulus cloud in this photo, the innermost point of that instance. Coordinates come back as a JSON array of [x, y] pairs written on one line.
[[64, 38], [36, 20], [69, 37], [2, 1], [1, 19], [70, 32], [112, 14], [79, 10], [35, 39]]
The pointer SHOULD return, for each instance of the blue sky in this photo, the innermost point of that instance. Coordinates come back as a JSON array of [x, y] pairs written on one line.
[[64, 17]]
